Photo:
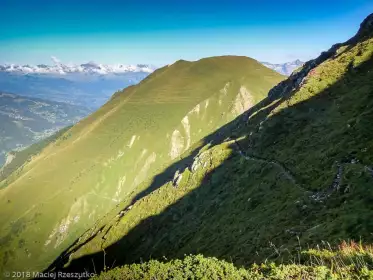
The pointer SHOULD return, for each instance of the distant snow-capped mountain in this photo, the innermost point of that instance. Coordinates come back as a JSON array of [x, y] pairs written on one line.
[[284, 68], [88, 68], [89, 84]]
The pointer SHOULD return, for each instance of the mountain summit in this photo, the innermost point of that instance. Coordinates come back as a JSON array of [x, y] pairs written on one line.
[[136, 135]]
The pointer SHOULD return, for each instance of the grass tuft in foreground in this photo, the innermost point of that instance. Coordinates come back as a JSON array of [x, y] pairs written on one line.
[[350, 261]]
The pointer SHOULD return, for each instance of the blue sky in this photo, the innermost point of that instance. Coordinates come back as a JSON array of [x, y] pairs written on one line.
[[160, 32]]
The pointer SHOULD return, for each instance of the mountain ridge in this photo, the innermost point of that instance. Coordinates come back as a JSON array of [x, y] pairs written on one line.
[[93, 68], [106, 155]]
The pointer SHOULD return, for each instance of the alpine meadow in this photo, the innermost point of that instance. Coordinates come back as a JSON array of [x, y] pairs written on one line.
[[214, 168]]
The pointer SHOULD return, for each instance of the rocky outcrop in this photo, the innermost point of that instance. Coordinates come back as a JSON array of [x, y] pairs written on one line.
[[177, 178], [177, 144], [186, 125], [200, 161], [9, 158], [243, 101], [61, 230]]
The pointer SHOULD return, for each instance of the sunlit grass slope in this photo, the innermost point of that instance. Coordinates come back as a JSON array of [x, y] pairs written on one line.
[[294, 171], [94, 165]]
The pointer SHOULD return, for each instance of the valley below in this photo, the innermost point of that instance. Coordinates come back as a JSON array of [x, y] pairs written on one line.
[[26, 120]]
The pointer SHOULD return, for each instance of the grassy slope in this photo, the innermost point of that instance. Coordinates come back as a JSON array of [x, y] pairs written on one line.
[[99, 161], [298, 185]]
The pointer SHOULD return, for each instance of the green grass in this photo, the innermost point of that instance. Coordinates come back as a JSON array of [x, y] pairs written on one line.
[[200, 267], [86, 172], [349, 253], [276, 203]]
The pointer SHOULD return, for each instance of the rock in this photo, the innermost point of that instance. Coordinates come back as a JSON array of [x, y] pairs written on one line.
[[121, 214], [177, 144], [292, 232], [200, 160], [196, 164], [177, 180], [176, 174]]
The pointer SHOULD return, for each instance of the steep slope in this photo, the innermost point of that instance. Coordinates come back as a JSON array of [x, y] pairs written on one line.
[[98, 162], [26, 120], [292, 172]]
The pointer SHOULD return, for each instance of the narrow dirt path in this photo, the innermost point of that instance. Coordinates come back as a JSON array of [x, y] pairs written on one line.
[[317, 196], [283, 169]]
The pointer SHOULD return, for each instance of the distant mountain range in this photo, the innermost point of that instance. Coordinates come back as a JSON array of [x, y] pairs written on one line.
[[72, 71], [88, 84], [284, 68], [86, 68]]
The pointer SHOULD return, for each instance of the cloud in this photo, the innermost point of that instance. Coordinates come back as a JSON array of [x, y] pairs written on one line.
[[55, 60], [91, 67]]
